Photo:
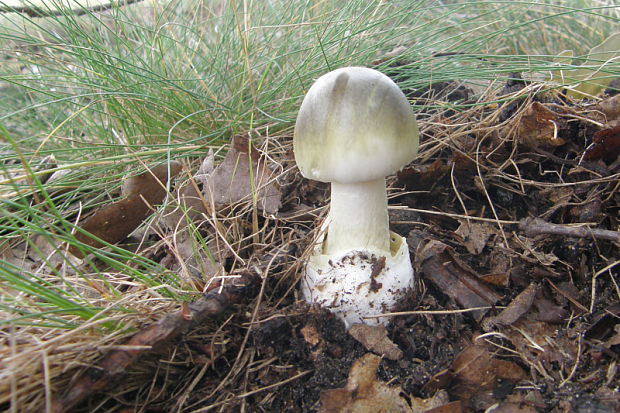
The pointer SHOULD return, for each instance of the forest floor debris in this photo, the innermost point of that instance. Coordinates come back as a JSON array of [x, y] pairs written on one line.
[[511, 211]]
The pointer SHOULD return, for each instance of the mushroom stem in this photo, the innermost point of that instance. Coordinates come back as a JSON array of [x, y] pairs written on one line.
[[358, 218]]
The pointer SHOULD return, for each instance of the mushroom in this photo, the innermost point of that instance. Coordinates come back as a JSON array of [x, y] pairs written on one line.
[[355, 127]]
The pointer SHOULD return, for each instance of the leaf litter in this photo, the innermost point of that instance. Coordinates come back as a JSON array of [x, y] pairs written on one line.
[[511, 214]]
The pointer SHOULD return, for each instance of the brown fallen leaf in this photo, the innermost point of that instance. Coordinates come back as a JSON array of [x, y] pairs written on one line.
[[363, 393], [538, 127], [497, 279], [375, 339], [517, 307], [421, 178], [225, 185], [476, 373], [611, 108], [548, 311], [539, 344], [476, 364], [452, 407], [211, 190], [112, 223], [231, 181], [189, 203], [311, 335], [198, 263], [605, 146], [195, 260], [438, 264], [475, 235]]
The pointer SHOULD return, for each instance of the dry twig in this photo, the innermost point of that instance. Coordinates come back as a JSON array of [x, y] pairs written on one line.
[[537, 226]]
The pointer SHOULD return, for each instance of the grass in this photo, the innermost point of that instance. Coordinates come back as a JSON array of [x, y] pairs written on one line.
[[108, 93]]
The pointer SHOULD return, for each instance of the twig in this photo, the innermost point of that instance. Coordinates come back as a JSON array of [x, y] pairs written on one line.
[[34, 11], [432, 312], [567, 296], [114, 365], [594, 277], [537, 226], [574, 369], [459, 216], [250, 393]]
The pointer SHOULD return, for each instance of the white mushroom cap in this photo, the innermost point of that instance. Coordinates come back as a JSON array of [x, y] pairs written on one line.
[[354, 125]]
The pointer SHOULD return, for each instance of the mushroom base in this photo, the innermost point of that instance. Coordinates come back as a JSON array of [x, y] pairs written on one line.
[[357, 285]]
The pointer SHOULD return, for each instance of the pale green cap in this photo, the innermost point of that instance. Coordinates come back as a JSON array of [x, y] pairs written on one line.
[[354, 125]]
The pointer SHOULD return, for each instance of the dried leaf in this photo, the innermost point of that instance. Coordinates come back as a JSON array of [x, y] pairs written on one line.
[[548, 311], [605, 146], [375, 339], [610, 107], [114, 222], [311, 335], [475, 235], [539, 342], [211, 189], [476, 365], [151, 185], [421, 178], [438, 264], [453, 407], [517, 307], [538, 127], [365, 394], [476, 372], [232, 182], [228, 183], [196, 263], [190, 206], [501, 279], [206, 168]]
